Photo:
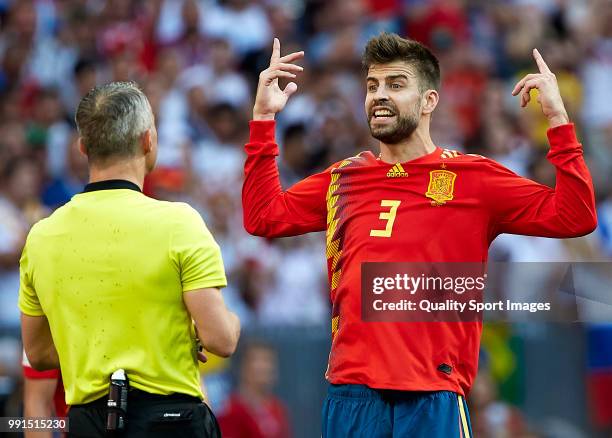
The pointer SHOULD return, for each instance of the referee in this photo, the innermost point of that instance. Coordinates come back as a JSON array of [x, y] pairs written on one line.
[[112, 283]]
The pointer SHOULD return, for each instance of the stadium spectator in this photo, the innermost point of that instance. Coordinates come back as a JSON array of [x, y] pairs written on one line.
[[253, 411], [218, 79], [60, 188], [243, 23], [20, 208]]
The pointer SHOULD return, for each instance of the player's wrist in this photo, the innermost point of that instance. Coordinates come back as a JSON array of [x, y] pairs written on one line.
[[263, 116], [558, 120]]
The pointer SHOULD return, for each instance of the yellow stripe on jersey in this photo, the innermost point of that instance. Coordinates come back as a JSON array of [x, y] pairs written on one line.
[[334, 324], [336, 279], [448, 153], [333, 244], [332, 248], [335, 260]]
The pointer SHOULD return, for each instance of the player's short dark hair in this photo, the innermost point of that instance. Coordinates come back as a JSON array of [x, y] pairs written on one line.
[[111, 119], [390, 47]]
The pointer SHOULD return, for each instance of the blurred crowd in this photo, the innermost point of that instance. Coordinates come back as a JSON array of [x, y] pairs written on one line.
[[198, 62]]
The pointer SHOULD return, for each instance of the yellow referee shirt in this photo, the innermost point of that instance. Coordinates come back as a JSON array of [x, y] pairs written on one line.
[[108, 270]]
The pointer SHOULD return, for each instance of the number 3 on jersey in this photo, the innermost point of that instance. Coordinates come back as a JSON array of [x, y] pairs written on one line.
[[388, 216]]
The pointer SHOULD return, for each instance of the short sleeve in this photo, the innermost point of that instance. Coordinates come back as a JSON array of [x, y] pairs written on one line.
[[28, 300], [196, 254]]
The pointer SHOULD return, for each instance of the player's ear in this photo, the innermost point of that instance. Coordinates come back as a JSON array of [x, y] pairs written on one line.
[[429, 101], [82, 148]]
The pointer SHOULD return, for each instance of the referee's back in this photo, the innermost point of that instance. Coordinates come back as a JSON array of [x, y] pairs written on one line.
[[109, 269], [115, 280]]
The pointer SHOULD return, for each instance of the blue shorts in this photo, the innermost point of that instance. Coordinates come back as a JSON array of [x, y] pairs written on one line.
[[356, 411]]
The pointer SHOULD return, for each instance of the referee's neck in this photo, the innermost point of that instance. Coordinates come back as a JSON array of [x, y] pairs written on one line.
[[132, 170]]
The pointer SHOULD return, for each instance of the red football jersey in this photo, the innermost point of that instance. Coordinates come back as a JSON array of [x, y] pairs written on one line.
[[441, 207]]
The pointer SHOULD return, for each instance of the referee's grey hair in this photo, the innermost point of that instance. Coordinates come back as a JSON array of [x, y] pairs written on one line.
[[111, 120]]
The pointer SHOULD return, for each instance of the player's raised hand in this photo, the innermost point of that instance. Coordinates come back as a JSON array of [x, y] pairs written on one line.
[[270, 99], [549, 96]]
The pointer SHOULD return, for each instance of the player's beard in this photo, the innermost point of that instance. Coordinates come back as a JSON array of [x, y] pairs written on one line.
[[403, 127]]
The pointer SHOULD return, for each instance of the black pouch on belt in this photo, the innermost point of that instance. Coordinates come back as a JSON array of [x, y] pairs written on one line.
[[116, 406]]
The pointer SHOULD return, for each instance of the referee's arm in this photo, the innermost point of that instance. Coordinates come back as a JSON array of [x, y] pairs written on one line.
[[35, 332], [38, 343], [218, 328], [198, 257]]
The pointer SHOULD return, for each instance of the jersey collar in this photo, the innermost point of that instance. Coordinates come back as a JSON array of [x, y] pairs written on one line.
[[432, 156], [111, 184]]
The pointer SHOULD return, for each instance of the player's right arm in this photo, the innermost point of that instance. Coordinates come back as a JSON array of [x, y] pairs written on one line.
[[268, 210]]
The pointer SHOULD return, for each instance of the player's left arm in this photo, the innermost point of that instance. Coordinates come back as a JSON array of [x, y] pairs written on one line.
[[521, 206]]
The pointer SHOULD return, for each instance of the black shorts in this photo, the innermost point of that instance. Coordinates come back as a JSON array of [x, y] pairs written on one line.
[[149, 415]]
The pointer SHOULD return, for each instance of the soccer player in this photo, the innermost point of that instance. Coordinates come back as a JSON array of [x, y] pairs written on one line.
[[411, 202]]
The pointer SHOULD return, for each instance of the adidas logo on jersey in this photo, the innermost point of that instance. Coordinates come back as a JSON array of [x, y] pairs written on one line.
[[397, 171]]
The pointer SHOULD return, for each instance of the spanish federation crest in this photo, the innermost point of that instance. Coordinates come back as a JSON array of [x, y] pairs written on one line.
[[441, 186]]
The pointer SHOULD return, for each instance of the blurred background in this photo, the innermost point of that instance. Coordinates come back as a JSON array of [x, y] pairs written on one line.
[[198, 63]]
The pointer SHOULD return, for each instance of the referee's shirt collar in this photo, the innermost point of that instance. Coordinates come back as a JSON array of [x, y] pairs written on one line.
[[111, 184]]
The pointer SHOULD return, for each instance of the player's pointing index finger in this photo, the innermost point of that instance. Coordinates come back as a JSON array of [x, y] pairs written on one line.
[[540, 61], [275, 51]]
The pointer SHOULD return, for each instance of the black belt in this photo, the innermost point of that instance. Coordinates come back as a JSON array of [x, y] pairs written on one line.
[[136, 395]]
